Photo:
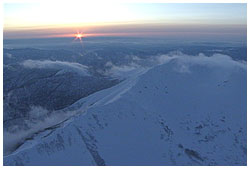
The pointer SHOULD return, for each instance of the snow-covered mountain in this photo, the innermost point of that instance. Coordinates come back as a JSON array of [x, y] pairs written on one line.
[[190, 110]]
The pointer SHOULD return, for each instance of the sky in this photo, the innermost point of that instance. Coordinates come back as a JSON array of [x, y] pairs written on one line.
[[41, 20]]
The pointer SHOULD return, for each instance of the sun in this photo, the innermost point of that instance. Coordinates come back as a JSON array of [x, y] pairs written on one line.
[[79, 36]]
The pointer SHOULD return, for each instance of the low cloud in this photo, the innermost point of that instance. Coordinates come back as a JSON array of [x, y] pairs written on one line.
[[9, 55], [38, 119], [60, 65], [122, 71], [183, 61], [135, 58]]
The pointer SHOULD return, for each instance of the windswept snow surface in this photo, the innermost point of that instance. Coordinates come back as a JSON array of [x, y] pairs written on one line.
[[189, 110]]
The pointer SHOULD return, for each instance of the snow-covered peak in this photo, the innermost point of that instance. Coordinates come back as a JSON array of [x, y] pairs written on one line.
[[190, 110]]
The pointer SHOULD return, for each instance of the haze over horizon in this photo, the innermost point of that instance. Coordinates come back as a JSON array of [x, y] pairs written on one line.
[[176, 21]]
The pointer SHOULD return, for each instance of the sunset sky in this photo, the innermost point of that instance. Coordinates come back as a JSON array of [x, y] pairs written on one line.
[[41, 20]]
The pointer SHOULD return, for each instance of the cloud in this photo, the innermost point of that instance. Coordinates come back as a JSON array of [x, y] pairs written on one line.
[[184, 62], [37, 112], [135, 58], [9, 55], [122, 71], [60, 65], [38, 119]]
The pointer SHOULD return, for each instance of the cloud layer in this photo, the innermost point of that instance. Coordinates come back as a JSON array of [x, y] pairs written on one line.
[[122, 71], [60, 65], [38, 120], [183, 61]]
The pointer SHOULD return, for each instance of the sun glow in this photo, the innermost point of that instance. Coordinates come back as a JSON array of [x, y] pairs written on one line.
[[79, 36]]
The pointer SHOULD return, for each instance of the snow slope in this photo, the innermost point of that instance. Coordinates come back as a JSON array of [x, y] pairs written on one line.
[[190, 110]]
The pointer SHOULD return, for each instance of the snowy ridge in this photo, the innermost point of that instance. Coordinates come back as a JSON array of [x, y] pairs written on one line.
[[187, 111]]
